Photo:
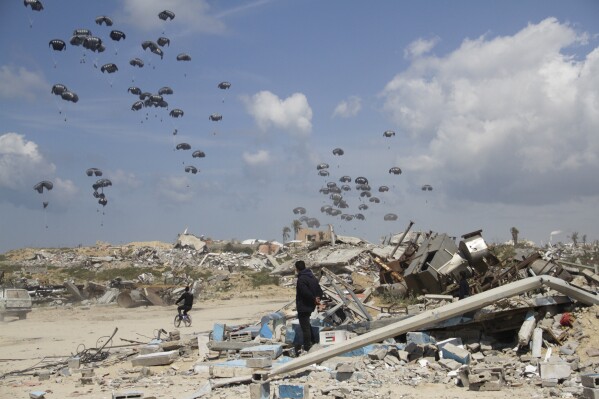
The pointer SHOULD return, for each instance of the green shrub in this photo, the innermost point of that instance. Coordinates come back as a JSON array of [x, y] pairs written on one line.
[[263, 278]]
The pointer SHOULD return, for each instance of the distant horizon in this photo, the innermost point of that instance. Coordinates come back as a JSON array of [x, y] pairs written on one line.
[[458, 115]]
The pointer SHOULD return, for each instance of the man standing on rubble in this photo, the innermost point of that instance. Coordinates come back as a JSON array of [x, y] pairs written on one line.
[[307, 297], [187, 298]]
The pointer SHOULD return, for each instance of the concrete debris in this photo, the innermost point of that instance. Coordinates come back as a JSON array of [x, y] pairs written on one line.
[[509, 330]]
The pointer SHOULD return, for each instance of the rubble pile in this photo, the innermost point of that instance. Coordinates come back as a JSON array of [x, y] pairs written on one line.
[[524, 321]]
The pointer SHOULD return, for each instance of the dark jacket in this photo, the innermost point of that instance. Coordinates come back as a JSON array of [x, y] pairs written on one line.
[[464, 289], [306, 291], [187, 299]]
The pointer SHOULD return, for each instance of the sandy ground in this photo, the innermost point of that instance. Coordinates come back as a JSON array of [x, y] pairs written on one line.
[[54, 333]]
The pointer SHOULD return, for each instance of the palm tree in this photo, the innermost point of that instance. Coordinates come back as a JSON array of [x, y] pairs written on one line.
[[296, 227], [286, 231], [574, 238], [514, 232]]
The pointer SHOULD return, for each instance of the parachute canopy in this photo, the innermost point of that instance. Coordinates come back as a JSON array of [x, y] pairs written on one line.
[[110, 68], [191, 169], [103, 19], [117, 35], [175, 113], [57, 44], [395, 170], [427, 187], [93, 172], [183, 146], [166, 14], [58, 89], [39, 187], [338, 151], [215, 117], [388, 133], [224, 85], [136, 62], [198, 154], [299, 210], [183, 57], [163, 41], [36, 5]]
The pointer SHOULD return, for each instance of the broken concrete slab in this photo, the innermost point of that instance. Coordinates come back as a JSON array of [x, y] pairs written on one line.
[[456, 353], [525, 333], [560, 370], [155, 359], [260, 390]]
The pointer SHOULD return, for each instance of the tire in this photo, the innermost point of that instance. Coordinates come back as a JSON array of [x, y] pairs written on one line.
[[177, 321], [187, 321]]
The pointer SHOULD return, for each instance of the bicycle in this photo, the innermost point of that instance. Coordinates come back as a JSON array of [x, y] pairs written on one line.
[[186, 319]]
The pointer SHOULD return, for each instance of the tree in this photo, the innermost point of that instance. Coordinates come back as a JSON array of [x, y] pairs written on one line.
[[286, 231], [514, 232], [574, 238], [296, 227], [584, 240]]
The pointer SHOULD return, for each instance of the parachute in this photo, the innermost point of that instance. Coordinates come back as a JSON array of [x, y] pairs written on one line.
[[361, 180], [183, 146], [395, 170], [166, 14], [110, 68], [101, 183], [345, 179], [331, 184], [299, 210], [362, 207], [117, 35], [93, 43], [383, 189], [165, 90], [93, 172], [390, 217], [136, 62], [36, 5], [224, 85], [365, 194], [69, 96], [323, 172], [103, 19], [359, 216], [175, 113], [82, 32], [198, 154], [338, 151], [427, 187], [191, 169], [388, 133], [215, 117], [137, 106], [183, 57], [39, 187], [374, 200], [322, 166], [163, 41], [345, 187], [153, 47], [313, 222], [57, 45], [58, 89]]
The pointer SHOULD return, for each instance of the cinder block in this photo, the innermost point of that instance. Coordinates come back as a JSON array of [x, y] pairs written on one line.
[[155, 359], [419, 338], [260, 391], [258, 362], [147, 349], [449, 364], [128, 395], [561, 371], [74, 363], [590, 393], [590, 380], [456, 353], [295, 391]]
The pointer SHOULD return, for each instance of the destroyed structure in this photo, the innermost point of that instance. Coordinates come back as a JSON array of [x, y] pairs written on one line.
[[517, 328]]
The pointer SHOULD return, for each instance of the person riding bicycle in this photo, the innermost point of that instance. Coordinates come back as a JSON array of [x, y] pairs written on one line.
[[187, 298]]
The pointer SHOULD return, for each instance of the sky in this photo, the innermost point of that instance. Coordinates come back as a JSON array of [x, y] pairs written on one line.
[[495, 105]]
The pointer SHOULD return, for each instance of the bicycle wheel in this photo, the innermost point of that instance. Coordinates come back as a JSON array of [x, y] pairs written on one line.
[[177, 321], [187, 321]]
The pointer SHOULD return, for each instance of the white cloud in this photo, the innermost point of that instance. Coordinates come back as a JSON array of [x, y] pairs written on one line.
[[349, 107], [192, 16], [293, 113], [120, 178], [21, 83], [510, 119], [175, 189], [420, 47], [21, 163], [64, 189], [260, 157]]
